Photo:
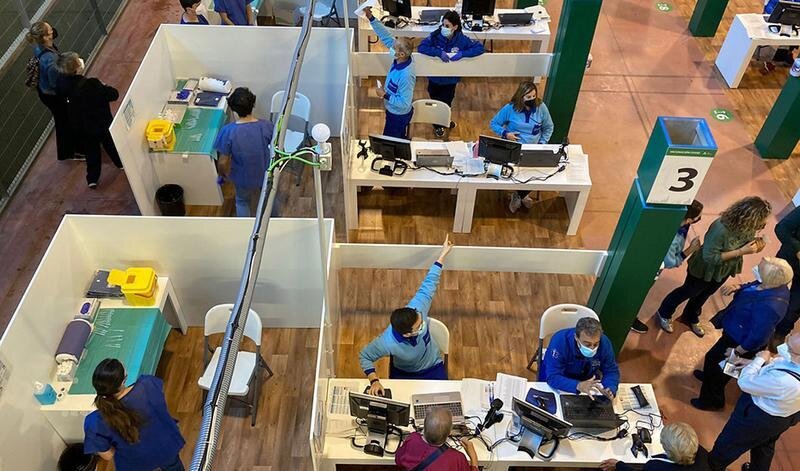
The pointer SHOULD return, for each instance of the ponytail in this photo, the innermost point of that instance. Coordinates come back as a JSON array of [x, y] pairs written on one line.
[[108, 379]]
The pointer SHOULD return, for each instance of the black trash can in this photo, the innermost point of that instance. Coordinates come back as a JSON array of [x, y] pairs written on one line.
[[73, 459], [170, 200]]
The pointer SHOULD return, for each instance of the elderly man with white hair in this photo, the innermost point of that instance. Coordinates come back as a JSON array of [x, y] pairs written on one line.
[[769, 405], [682, 452]]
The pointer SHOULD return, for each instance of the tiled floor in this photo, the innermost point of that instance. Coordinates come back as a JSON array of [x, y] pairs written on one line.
[[645, 65]]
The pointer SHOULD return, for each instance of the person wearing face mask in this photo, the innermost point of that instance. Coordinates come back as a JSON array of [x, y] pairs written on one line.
[[89, 112], [524, 119], [400, 81], [193, 13], [768, 406], [407, 340], [449, 44], [729, 238], [581, 360], [748, 323], [788, 232]]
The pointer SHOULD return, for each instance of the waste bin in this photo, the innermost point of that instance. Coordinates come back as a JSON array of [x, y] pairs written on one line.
[[170, 200], [73, 459]]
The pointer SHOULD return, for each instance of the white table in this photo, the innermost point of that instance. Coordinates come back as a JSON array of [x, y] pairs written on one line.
[[540, 41], [748, 31], [67, 413], [574, 184], [571, 453]]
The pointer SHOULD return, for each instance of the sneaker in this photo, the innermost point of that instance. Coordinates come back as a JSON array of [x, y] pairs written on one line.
[[666, 324], [92, 186], [453, 125], [639, 327], [527, 202], [698, 404], [698, 330], [438, 131], [515, 202]]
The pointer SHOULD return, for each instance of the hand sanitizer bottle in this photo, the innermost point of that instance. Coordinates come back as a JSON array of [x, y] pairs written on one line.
[[44, 393]]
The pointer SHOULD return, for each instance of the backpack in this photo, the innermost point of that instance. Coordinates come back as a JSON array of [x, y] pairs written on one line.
[[32, 70]]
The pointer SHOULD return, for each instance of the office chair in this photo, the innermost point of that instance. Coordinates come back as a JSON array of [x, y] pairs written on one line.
[[301, 108], [555, 318], [431, 112]]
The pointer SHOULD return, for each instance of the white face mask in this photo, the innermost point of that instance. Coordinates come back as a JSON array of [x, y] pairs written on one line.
[[757, 274], [783, 351], [446, 32]]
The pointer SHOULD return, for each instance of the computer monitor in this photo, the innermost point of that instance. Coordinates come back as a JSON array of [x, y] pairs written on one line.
[[478, 8], [537, 425], [379, 412], [786, 13], [390, 147], [499, 151], [397, 8]]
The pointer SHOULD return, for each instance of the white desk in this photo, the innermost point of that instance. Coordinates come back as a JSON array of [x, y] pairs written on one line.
[[571, 453], [67, 413], [540, 41], [748, 31], [574, 184]]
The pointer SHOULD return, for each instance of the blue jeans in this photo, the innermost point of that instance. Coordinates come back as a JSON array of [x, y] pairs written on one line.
[[176, 465], [247, 202], [396, 125]]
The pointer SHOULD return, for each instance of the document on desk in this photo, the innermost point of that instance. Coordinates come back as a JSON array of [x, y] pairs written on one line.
[[476, 394], [508, 387]]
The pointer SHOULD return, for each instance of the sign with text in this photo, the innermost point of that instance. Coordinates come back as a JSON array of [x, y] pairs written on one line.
[[679, 178]]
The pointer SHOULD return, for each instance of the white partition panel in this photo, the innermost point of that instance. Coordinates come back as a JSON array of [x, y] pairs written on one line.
[[486, 65], [27, 440], [203, 258], [495, 259], [259, 58], [143, 101]]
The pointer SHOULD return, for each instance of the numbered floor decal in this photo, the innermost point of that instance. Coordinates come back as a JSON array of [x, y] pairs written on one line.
[[721, 114], [663, 6]]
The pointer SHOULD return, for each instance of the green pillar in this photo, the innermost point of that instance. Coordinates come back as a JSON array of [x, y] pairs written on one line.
[[781, 130], [674, 164], [573, 39], [520, 4], [706, 17]]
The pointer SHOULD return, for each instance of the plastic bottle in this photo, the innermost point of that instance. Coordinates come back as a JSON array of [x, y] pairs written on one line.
[[795, 70], [44, 393]]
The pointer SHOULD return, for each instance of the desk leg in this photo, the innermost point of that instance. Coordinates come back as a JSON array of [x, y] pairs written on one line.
[[465, 207], [735, 54], [576, 203], [363, 40], [351, 206], [172, 298]]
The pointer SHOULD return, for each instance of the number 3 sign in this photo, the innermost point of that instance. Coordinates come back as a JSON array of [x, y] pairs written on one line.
[[679, 178]]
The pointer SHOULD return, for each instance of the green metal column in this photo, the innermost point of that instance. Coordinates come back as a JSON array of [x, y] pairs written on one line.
[[706, 17], [520, 4], [574, 38], [781, 130], [673, 166]]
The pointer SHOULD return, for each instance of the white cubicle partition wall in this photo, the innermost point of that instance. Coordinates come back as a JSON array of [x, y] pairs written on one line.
[[255, 57], [486, 65]]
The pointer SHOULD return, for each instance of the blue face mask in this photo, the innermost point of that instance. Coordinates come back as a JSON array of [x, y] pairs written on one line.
[[586, 351], [446, 32]]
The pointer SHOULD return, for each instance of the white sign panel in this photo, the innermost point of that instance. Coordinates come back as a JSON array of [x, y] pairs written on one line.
[[679, 179]]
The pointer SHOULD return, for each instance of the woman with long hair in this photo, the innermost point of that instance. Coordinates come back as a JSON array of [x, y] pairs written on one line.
[[132, 424], [729, 238], [524, 119], [42, 36]]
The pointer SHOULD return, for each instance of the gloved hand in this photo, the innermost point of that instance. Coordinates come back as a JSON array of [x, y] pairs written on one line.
[[444, 57], [456, 56]]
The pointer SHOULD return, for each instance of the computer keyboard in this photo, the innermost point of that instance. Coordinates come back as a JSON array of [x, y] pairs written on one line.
[[591, 413], [421, 410]]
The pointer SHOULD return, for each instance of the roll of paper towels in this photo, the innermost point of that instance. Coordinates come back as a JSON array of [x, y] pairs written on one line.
[[73, 341]]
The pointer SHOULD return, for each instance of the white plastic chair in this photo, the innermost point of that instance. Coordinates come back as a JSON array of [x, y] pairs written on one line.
[[245, 369], [323, 12], [555, 318], [301, 108], [431, 112], [441, 334]]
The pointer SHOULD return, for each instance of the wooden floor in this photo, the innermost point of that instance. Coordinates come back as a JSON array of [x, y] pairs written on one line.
[[493, 317]]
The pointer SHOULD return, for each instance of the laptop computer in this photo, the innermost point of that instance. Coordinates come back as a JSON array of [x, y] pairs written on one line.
[[585, 413], [538, 158], [431, 17], [424, 403], [508, 19]]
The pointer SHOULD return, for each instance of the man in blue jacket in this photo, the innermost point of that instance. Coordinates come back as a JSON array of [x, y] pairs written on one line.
[[788, 232], [407, 339], [581, 360], [449, 44]]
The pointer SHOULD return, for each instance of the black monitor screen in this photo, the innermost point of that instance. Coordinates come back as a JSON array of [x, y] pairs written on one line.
[[478, 8], [397, 8], [499, 151], [362, 406], [539, 420], [390, 147], [786, 13]]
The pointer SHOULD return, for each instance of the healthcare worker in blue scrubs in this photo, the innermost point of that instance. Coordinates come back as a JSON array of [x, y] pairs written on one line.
[[449, 44], [132, 425], [407, 339], [398, 91], [524, 119], [581, 360]]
